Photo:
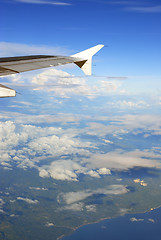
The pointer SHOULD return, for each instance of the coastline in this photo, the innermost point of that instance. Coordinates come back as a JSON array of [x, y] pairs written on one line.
[[107, 218]]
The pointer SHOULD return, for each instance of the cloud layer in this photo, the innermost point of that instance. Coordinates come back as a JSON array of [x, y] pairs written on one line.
[[67, 155]]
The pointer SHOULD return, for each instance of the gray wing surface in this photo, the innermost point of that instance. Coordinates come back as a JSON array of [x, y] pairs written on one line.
[[12, 65]]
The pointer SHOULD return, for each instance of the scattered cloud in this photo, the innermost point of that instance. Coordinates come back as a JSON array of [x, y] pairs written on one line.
[[141, 182], [49, 224], [124, 124], [136, 219], [91, 208], [59, 83], [57, 3], [73, 197], [1, 202], [70, 170], [145, 9], [123, 160], [64, 85], [9, 49], [104, 171], [151, 220], [110, 86], [2, 211], [129, 104], [136, 6], [61, 170], [38, 188], [28, 145], [27, 200], [122, 2], [74, 207], [36, 143]]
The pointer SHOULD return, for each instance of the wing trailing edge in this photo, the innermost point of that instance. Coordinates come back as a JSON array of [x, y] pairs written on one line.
[[13, 65]]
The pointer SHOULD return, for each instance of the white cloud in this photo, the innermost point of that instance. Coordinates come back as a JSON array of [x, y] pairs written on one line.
[[91, 208], [70, 170], [104, 171], [58, 3], [93, 174], [129, 104], [21, 118], [125, 123], [49, 224], [151, 220], [73, 197], [73, 207], [30, 201], [136, 219], [63, 84], [110, 86], [35, 144], [123, 211], [2, 211], [38, 188], [28, 145], [107, 141], [59, 83], [121, 160], [61, 170], [18, 49], [1, 202], [151, 9]]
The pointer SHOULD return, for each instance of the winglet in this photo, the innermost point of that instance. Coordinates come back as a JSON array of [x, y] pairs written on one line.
[[6, 92], [84, 59]]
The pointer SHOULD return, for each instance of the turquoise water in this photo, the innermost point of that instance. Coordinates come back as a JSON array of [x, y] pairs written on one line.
[[131, 226]]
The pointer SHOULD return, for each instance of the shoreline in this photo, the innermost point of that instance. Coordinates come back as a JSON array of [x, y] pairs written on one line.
[[107, 218]]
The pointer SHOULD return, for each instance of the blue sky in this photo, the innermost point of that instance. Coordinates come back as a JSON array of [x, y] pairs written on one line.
[[131, 29]]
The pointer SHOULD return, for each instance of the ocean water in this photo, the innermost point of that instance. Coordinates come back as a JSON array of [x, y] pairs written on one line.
[[129, 227]]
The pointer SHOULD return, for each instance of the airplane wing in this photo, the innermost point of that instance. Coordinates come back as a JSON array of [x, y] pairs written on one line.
[[12, 65]]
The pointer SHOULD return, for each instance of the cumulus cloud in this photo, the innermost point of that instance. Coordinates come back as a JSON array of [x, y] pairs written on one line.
[[27, 145], [91, 208], [73, 197], [61, 170], [104, 171], [27, 200], [73, 207], [70, 170]]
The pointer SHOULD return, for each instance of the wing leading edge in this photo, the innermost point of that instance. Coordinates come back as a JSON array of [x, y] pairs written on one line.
[[12, 65]]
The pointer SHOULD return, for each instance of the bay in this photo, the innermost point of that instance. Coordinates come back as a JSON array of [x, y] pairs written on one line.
[[130, 226]]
